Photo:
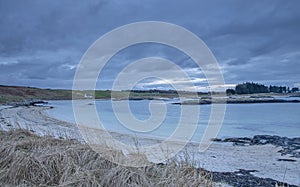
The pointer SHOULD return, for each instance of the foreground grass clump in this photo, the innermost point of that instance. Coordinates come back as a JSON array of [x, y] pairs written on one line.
[[29, 160]]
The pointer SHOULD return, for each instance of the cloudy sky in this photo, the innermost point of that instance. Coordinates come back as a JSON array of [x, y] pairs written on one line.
[[42, 42]]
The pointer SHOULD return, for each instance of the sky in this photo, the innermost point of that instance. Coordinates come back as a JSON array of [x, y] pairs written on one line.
[[42, 42]]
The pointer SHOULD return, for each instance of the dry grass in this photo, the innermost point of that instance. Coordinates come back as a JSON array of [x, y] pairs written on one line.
[[29, 160]]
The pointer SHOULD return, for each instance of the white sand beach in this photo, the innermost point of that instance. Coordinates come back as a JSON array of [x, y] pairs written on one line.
[[218, 157]]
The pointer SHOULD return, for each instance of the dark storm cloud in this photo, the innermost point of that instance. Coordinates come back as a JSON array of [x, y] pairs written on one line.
[[47, 27], [41, 42], [262, 29]]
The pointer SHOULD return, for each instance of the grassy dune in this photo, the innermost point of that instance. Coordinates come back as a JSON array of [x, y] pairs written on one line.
[[29, 160]]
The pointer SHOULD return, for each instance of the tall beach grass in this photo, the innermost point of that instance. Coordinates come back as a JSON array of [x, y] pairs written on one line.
[[30, 160]]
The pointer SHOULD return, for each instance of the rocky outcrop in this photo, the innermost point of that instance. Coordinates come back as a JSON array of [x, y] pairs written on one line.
[[289, 146], [27, 103], [242, 100], [245, 178]]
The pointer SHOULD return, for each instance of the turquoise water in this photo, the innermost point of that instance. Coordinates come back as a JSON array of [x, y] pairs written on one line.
[[241, 120]]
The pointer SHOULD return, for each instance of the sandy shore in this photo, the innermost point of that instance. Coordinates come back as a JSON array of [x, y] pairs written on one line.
[[263, 159], [36, 120]]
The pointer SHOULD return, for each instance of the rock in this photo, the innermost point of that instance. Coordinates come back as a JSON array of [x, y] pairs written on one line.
[[27, 103], [296, 141], [286, 159], [216, 139], [244, 178], [231, 140], [289, 145], [239, 141]]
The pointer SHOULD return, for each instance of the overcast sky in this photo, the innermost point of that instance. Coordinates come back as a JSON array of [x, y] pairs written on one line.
[[42, 41]]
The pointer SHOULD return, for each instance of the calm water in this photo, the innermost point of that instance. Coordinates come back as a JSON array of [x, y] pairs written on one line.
[[240, 119]]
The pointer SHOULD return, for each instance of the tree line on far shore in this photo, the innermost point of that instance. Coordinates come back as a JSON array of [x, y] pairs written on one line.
[[251, 88]]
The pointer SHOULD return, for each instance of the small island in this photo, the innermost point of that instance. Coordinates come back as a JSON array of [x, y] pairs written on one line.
[[248, 93]]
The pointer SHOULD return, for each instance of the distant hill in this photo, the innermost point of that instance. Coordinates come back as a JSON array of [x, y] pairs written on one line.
[[18, 93]]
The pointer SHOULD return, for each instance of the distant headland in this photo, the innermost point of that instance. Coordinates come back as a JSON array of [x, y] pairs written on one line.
[[248, 92]]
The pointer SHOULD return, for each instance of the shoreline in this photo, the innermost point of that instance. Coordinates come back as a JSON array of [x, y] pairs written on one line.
[[262, 160], [237, 100]]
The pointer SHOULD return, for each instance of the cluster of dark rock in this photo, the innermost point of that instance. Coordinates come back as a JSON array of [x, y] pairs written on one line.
[[27, 103], [289, 146], [244, 178]]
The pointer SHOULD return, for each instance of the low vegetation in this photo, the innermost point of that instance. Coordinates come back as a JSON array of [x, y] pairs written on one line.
[[19, 93], [29, 160], [253, 88], [16, 93]]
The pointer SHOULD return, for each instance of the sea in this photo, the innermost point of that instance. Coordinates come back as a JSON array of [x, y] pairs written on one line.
[[240, 120]]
